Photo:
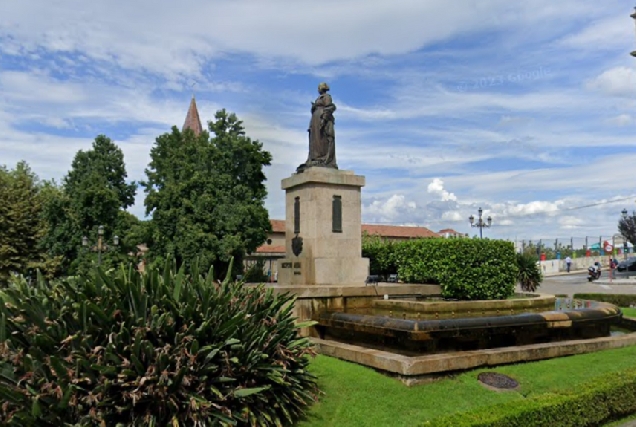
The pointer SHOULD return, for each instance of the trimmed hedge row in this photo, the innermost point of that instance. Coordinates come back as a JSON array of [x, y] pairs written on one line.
[[466, 269], [381, 254], [620, 300], [610, 398]]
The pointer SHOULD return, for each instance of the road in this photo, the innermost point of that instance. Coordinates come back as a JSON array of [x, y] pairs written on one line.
[[576, 283]]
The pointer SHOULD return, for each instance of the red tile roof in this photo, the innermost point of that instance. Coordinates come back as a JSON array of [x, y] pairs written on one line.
[[398, 231], [269, 249], [192, 120], [395, 231], [278, 225]]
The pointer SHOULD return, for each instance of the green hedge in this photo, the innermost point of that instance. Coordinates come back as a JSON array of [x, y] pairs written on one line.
[[610, 398], [466, 269], [620, 300], [381, 254]]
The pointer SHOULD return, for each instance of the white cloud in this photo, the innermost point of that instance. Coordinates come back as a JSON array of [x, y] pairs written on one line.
[[437, 187], [514, 121], [173, 38], [618, 81], [621, 120], [38, 86], [606, 33], [453, 216], [534, 207], [390, 209], [570, 222]]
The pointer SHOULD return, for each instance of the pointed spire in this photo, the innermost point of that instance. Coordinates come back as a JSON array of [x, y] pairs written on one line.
[[192, 120]]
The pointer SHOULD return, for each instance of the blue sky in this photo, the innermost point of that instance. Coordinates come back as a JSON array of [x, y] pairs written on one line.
[[526, 110]]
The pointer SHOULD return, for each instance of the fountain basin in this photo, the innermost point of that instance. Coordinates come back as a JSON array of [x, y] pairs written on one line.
[[430, 309], [411, 328], [417, 351]]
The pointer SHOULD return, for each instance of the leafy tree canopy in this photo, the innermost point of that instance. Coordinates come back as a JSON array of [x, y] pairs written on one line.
[[627, 227], [206, 193], [93, 193], [20, 220], [104, 160]]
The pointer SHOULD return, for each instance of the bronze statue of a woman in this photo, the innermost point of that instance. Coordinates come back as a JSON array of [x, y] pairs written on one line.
[[322, 137]]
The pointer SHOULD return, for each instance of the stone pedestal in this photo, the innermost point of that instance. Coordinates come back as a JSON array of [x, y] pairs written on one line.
[[323, 208]]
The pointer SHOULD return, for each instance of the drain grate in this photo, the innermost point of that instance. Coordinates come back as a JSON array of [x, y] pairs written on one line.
[[495, 380]]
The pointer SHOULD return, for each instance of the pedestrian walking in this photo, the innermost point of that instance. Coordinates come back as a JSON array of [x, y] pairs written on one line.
[[568, 263]]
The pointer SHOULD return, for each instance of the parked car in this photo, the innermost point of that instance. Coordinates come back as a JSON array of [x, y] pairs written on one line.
[[627, 267]]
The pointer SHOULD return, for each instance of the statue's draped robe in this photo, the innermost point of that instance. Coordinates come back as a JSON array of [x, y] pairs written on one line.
[[322, 137]]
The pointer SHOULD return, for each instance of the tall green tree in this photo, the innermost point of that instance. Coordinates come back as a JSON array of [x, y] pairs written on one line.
[[60, 228], [21, 226], [106, 161], [627, 227], [93, 193], [206, 194]]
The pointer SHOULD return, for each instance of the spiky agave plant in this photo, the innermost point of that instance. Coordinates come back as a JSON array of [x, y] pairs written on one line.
[[529, 276], [158, 349]]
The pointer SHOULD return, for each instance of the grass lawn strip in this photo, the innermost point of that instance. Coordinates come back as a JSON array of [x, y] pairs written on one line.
[[622, 422], [358, 396], [629, 312]]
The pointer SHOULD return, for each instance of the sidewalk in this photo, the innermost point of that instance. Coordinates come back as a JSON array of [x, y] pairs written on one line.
[[565, 273], [615, 281]]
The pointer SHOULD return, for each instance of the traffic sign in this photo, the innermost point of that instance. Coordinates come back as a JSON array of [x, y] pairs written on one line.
[[608, 248]]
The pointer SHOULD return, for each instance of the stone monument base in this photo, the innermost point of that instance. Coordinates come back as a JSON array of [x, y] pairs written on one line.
[[323, 229], [350, 271]]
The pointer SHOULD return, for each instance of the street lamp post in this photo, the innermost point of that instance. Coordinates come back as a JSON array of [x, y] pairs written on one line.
[[624, 215], [100, 243], [633, 16], [481, 224], [271, 273]]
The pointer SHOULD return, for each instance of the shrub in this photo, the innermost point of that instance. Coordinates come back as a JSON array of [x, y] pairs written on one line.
[[529, 276], [609, 398], [381, 254], [154, 349], [254, 274], [466, 269]]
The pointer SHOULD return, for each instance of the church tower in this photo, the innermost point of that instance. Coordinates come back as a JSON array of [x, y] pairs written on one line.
[[192, 120]]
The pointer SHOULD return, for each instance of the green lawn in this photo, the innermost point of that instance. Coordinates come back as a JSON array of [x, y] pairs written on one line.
[[629, 312], [621, 423], [356, 396]]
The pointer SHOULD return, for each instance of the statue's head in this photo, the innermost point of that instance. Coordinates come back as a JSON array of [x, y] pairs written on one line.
[[323, 87]]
